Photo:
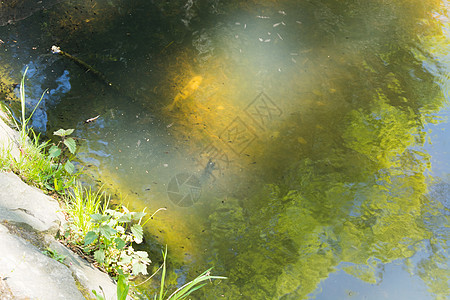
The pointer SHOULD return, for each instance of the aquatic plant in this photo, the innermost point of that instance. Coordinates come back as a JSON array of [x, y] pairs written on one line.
[[188, 288]]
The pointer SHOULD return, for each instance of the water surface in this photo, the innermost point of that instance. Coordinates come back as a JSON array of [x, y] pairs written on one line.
[[288, 140]]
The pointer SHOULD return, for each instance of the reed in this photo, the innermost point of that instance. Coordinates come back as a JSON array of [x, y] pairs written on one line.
[[188, 288]]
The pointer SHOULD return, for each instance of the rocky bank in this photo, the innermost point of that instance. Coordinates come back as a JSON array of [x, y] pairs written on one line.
[[30, 221]]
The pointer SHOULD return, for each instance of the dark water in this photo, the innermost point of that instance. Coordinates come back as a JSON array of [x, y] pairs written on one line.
[[297, 145]]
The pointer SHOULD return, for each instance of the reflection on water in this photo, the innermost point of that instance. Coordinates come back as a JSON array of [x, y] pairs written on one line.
[[284, 137]]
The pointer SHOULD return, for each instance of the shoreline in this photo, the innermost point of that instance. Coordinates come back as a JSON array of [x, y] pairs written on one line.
[[30, 223]]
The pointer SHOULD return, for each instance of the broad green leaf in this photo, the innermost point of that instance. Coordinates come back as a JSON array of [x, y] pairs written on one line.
[[125, 259], [120, 243], [90, 237], [107, 231], [99, 255], [137, 215], [62, 132], [69, 167], [71, 145], [99, 218], [54, 151], [137, 232], [126, 218], [143, 256], [139, 268]]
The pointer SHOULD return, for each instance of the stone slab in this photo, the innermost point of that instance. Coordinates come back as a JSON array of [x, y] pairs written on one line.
[[89, 277], [29, 274], [21, 203]]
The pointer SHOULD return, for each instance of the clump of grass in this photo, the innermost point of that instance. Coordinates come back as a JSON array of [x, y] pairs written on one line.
[[34, 164], [82, 202], [188, 288]]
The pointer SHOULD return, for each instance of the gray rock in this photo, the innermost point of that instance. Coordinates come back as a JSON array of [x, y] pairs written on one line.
[[8, 138], [88, 276], [21, 203], [30, 274]]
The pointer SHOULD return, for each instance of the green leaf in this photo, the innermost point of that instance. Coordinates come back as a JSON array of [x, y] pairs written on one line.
[[71, 145], [55, 183], [54, 151], [90, 237], [107, 231], [62, 132], [99, 256], [97, 296], [125, 259], [139, 268], [122, 288], [137, 215], [99, 218], [143, 256], [138, 233], [69, 167], [125, 218], [120, 243]]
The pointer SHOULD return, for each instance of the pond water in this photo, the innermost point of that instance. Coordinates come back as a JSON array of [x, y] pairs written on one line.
[[298, 146]]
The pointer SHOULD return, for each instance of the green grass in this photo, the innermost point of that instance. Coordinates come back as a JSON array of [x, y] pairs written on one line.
[[81, 203], [188, 288], [33, 164]]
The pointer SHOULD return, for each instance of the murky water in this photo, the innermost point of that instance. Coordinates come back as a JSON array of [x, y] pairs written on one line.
[[285, 138]]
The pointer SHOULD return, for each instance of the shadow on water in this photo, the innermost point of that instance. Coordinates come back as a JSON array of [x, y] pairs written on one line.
[[284, 137]]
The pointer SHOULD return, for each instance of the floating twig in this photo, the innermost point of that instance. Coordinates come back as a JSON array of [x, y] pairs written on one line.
[[57, 50], [91, 119]]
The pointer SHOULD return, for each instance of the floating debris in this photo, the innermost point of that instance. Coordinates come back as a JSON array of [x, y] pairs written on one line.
[[276, 24], [279, 36], [92, 119], [282, 12], [267, 40], [263, 17], [261, 40], [298, 22]]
